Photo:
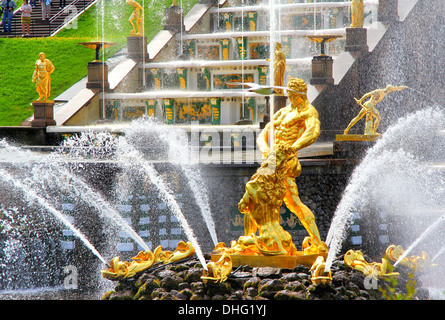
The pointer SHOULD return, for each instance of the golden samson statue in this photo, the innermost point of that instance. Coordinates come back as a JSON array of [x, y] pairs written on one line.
[[295, 127]]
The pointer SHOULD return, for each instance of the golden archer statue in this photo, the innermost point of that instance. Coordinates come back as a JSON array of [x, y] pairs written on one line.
[[42, 76], [136, 15], [296, 127], [368, 109]]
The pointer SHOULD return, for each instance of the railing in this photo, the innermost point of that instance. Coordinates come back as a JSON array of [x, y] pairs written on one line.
[[53, 25], [84, 5]]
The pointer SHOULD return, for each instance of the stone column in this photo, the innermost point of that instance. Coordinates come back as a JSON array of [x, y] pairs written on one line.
[[98, 75], [212, 2], [174, 19], [137, 48], [356, 40], [43, 114], [322, 70]]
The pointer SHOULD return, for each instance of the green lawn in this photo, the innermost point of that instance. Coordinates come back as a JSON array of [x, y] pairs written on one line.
[[70, 59]]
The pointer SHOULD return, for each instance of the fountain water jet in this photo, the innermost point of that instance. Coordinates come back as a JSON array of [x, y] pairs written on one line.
[[179, 152], [133, 159], [421, 238], [31, 195], [405, 149], [49, 169]]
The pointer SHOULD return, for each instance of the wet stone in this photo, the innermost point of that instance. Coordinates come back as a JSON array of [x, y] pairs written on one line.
[[268, 272]]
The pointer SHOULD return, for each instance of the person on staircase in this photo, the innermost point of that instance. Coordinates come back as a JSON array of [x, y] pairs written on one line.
[[8, 7], [62, 4], [32, 3], [26, 10], [46, 9]]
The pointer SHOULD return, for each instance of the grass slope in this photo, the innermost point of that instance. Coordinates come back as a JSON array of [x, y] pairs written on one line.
[[108, 20]]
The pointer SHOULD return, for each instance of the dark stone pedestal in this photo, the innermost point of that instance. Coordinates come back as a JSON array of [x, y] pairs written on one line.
[[174, 19], [43, 114], [356, 40], [137, 48], [351, 149], [243, 122], [98, 75], [212, 2], [322, 70]]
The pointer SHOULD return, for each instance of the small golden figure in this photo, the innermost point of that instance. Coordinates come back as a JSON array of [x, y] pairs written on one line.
[[368, 109], [42, 76], [136, 15], [279, 68], [357, 14]]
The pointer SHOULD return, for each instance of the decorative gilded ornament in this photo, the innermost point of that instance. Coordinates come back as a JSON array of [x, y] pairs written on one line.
[[123, 269], [394, 252], [356, 261], [146, 259], [218, 271], [319, 276]]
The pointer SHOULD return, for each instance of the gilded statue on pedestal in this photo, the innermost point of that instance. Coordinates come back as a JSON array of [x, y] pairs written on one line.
[[368, 109], [42, 77], [279, 68], [357, 14], [136, 15], [295, 127]]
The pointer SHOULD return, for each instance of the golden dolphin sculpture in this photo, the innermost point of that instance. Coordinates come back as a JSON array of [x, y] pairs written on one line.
[[218, 271], [356, 261], [394, 252], [319, 276], [146, 259]]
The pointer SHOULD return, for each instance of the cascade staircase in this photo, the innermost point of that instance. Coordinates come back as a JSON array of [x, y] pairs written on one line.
[[58, 18]]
